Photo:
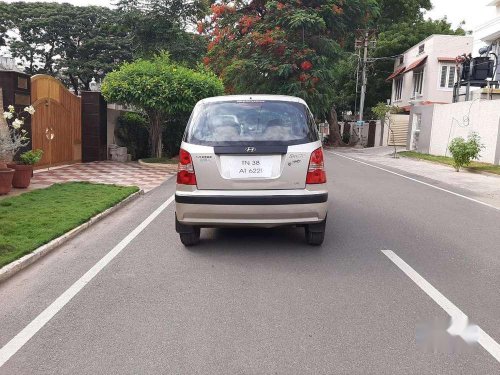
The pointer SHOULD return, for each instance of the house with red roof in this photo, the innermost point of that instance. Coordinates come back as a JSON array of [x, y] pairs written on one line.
[[427, 72]]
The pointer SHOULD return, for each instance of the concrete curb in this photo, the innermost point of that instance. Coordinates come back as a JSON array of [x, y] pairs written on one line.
[[11, 269]]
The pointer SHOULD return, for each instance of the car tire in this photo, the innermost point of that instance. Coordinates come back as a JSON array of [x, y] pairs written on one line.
[[315, 238], [190, 239], [315, 233]]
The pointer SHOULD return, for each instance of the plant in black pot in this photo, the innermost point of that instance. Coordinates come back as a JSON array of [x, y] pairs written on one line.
[[24, 168]]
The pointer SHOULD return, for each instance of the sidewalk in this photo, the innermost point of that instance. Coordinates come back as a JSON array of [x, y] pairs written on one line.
[[481, 186]]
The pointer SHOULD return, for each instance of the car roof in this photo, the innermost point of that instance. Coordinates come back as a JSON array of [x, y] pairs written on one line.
[[231, 98]]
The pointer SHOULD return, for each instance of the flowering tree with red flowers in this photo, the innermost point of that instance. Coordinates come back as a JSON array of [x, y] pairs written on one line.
[[282, 47]]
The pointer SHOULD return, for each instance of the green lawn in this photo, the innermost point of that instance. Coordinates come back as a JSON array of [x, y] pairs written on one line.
[[473, 167], [34, 218], [160, 161]]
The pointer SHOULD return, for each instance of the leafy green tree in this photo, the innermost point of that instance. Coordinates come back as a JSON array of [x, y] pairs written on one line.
[[161, 89], [96, 43], [463, 151], [71, 43], [34, 42], [396, 11], [4, 25], [160, 25]]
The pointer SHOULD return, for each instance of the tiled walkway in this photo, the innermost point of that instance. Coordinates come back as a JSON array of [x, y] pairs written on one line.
[[107, 172]]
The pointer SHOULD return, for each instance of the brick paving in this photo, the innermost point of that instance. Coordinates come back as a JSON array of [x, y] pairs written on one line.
[[107, 172]]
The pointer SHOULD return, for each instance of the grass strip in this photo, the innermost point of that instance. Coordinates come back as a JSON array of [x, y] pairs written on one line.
[[474, 166], [35, 218]]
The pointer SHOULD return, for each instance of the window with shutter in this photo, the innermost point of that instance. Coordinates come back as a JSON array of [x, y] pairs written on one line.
[[448, 76], [418, 83], [398, 84], [451, 77], [444, 74]]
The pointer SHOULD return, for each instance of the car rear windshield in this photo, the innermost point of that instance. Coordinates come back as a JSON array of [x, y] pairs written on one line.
[[237, 123]]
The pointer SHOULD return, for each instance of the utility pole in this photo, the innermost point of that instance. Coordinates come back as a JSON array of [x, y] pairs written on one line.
[[363, 88], [357, 85], [365, 39]]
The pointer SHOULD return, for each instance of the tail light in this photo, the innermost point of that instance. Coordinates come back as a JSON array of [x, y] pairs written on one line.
[[185, 172], [316, 173]]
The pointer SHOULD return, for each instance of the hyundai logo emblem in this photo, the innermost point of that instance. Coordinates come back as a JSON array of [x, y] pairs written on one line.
[[251, 149]]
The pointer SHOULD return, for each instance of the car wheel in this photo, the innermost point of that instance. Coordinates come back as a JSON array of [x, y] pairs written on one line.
[[190, 235], [315, 233], [315, 238], [192, 238]]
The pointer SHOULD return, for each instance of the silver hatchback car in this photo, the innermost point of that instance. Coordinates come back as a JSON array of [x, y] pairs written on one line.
[[252, 161]]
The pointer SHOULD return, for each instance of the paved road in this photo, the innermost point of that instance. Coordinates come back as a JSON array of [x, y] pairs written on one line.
[[263, 302]]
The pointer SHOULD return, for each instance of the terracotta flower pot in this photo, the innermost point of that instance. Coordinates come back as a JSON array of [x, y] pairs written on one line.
[[22, 175], [6, 175]]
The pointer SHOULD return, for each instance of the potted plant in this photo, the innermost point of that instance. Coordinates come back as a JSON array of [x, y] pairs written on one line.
[[12, 138], [6, 175], [24, 168]]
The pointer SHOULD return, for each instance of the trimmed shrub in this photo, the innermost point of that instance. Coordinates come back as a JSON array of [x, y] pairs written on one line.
[[172, 134], [464, 152], [131, 131]]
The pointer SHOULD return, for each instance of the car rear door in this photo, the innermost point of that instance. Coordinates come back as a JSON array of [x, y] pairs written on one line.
[[239, 152], [282, 167]]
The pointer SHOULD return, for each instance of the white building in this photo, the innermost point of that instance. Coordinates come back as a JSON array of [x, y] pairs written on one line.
[[426, 73]]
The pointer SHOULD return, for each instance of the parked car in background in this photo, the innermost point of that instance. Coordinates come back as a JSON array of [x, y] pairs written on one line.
[[251, 161]]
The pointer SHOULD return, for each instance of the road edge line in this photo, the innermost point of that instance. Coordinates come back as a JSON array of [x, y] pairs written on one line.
[[18, 341], [457, 316], [415, 180], [9, 270]]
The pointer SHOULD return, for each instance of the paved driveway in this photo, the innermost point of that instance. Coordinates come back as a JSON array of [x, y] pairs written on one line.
[[127, 298], [107, 172]]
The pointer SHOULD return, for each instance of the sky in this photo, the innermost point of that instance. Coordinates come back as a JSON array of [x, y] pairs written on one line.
[[473, 12]]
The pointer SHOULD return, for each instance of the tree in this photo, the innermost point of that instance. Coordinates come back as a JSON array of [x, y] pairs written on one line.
[[396, 11], [160, 25], [96, 44], [34, 39], [161, 89], [3, 31], [72, 43], [291, 47]]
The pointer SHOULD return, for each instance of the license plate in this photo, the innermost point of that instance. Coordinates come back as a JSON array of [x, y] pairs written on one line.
[[242, 167]]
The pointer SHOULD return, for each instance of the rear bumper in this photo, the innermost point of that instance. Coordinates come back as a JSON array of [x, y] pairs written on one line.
[[239, 200], [266, 209]]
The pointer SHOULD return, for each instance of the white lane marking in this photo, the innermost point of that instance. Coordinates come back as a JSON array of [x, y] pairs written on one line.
[[415, 180], [45, 316], [458, 318]]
